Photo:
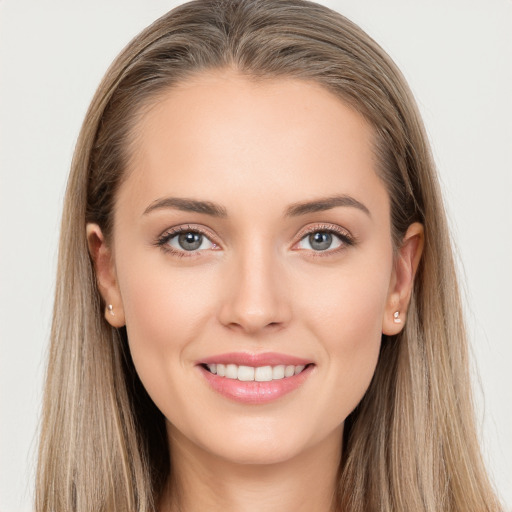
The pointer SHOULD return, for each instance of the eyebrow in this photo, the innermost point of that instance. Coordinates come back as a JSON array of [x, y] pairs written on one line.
[[322, 204], [294, 210], [187, 205]]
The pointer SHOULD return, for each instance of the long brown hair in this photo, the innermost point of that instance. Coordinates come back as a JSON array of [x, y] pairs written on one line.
[[410, 445]]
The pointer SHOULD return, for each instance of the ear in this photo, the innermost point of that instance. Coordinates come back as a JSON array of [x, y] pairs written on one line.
[[106, 278], [402, 280]]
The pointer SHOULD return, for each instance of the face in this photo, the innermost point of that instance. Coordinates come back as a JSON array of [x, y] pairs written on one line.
[[252, 263]]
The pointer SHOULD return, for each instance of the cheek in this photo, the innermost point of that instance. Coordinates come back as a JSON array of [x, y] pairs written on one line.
[[347, 304], [347, 317], [164, 314]]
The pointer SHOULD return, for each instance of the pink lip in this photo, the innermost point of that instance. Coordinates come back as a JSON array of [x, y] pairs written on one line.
[[248, 359], [253, 392]]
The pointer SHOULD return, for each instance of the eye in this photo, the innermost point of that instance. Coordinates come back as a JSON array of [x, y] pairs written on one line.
[[183, 241], [323, 240]]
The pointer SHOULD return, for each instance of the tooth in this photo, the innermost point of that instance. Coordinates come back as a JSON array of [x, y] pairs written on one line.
[[263, 373], [245, 373], [289, 371], [278, 372], [259, 374], [232, 371]]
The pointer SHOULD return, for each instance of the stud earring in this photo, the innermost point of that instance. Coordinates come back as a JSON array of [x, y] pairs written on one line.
[[396, 317], [111, 309]]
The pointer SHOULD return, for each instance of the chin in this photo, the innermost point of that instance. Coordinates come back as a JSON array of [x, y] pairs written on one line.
[[257, 454], [264, 445]]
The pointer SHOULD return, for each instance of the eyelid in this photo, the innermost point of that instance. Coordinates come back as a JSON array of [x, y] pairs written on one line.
[[169, 233], [345, 236]]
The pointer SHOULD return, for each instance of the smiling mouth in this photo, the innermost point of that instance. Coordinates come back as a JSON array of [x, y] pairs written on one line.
[[258, 374], [255, 379]]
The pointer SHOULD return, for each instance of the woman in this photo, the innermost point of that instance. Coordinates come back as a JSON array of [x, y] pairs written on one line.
[[256, 306]]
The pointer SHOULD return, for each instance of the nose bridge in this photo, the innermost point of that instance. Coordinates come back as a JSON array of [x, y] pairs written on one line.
[[257, 295]]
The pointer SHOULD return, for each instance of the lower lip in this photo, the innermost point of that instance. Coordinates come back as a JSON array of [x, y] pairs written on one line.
[[253, 392]]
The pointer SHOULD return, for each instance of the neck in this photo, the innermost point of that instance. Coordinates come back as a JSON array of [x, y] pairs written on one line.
[[203, 481]]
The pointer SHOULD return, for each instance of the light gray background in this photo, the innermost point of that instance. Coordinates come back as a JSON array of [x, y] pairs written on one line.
[[456, 55]]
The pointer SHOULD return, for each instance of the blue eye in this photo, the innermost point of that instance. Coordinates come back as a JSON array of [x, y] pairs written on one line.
[[322, 241], [186, 241]]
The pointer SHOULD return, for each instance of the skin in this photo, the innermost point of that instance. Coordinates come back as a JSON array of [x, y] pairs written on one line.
[[256, 149]]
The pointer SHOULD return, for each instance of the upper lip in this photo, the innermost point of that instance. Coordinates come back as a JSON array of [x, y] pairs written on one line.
[[255, 360]]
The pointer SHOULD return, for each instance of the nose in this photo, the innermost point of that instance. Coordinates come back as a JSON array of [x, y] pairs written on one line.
[[255, 296]]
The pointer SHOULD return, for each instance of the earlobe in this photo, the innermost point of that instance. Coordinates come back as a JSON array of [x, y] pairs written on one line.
[[402, 282], [106, 278]]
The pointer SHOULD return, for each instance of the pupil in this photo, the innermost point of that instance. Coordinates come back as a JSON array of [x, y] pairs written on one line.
[[320, 241], [190, 241]]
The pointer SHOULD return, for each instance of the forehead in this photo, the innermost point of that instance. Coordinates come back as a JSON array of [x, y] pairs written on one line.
[[231, 137]]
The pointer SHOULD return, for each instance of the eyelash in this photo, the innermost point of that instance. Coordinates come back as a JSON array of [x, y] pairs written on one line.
[[346, 239], [163, 240]]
